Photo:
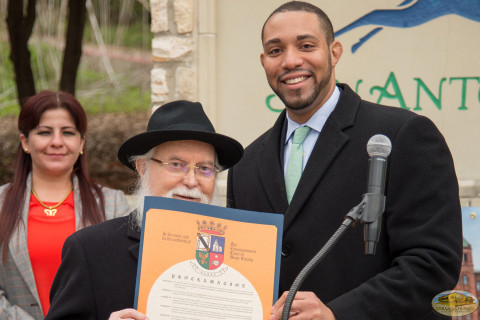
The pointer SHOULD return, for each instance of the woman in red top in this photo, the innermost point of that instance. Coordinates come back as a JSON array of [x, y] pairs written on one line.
[[50, 197]]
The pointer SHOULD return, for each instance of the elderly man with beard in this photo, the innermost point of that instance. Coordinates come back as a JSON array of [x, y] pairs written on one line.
[[178, 157]]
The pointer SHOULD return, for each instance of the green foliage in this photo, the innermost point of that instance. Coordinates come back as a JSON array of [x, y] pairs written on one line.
[[126, 91], [9, 108], [95, 91], [111, 10], [121, 23], [128, 100], [8, 90], [136, 35]]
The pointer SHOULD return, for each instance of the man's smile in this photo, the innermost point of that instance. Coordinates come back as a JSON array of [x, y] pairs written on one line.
[[295, 77], [295, 80]]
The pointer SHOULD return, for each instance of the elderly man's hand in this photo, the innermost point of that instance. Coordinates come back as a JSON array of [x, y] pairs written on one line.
[[127, 314], [305, 305]]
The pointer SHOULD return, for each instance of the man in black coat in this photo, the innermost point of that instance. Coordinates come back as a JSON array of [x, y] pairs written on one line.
[[419, 251], [177, 157]]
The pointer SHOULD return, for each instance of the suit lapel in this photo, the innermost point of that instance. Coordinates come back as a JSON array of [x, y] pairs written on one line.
[[269, 167], [18, 246], [329, 144], [77, 200]]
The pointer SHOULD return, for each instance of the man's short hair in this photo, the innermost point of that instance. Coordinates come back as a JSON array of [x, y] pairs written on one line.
[[325, 23]]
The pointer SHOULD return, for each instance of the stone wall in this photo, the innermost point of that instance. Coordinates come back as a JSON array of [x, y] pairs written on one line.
[[178, 39], [173, 50]]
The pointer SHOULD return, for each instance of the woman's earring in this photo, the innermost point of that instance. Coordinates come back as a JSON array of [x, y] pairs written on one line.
[[26, 150], [81, 152]]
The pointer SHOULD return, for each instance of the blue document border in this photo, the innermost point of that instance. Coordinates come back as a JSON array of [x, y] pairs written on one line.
[[216, 212]]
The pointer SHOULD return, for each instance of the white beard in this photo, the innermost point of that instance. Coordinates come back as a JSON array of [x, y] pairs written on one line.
[[190, 193], [144, 189]]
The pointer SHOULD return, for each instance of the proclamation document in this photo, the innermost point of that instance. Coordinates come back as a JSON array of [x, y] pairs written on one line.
[[203, 262]]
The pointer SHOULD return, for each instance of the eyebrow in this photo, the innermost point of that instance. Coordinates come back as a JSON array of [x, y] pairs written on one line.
[[299, 37], [174, 157], [307, 36], [48, 127], [272, 41]]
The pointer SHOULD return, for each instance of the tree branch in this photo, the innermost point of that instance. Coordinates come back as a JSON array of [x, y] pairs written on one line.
[[19, 31], [73, 44]]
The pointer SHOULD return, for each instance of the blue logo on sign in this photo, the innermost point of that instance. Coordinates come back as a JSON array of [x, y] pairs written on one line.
[[412, 13]]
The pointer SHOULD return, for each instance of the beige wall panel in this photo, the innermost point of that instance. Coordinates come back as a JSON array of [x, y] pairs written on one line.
[[445, 47]]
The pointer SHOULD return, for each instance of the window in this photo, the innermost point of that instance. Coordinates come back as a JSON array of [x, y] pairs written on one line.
[[465, 280]]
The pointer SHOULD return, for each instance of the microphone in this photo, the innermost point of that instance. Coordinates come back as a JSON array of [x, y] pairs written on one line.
[[369, 211], [378, 148]]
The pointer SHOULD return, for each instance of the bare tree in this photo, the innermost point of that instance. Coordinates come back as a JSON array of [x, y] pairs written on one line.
[[20, 25], [73, 44]]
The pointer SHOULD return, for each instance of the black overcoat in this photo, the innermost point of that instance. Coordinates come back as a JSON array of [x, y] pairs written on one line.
[[98, 272], [420, 246]]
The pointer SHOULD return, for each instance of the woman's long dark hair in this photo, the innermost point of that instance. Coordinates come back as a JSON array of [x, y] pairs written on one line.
[[14, 198]]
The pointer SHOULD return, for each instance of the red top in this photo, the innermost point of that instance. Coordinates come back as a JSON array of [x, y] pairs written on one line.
[[45, 237]]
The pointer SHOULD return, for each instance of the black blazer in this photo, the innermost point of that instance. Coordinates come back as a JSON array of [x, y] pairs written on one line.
[[97, 275], [420, 246]]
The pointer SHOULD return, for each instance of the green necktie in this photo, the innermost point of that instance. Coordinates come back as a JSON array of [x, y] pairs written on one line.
[[294, 167]]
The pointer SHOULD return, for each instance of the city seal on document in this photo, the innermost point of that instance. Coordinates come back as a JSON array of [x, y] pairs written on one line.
[[210, 249]]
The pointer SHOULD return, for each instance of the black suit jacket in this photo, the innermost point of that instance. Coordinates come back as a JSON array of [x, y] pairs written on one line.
[[97, 275], [420, 246]]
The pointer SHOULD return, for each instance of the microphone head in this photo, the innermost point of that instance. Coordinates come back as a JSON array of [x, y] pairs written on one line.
[[379, 146]]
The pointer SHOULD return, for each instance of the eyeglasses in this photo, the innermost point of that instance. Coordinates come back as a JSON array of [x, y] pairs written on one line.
[[180, 168]]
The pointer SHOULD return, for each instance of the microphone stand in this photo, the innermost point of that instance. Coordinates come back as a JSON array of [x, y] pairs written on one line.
[[369, 209]]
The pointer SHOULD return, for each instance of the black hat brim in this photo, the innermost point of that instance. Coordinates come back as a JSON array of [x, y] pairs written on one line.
[[229, 151]]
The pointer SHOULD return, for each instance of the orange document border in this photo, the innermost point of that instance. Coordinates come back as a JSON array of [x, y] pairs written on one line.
[[170, 235]]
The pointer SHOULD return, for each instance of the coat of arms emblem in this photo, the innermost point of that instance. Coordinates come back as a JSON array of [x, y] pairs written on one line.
[[210, 244]]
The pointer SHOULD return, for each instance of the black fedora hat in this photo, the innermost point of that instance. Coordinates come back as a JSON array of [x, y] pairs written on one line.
[[181, 120]]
